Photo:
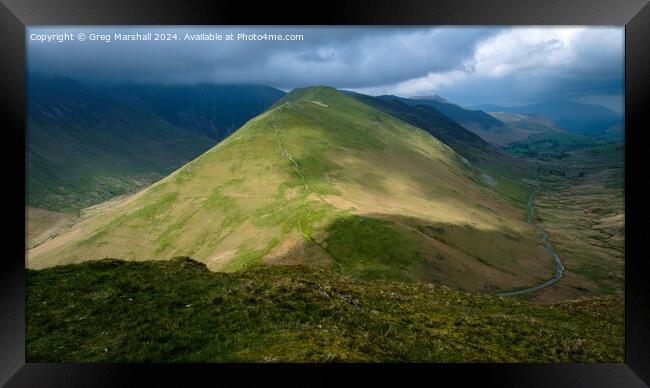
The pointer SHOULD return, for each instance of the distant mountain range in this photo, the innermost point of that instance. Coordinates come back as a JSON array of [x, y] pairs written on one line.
[[87, 144], [495, 129], [501, 125], [587, 119]]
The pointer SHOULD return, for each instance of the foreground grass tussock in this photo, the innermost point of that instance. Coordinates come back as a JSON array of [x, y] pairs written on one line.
[[178, 311]]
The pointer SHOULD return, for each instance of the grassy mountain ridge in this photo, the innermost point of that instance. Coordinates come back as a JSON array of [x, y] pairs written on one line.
[[466, 143], [466, 117], [320, 179], [493, 166], [178, 311], [428, 118]]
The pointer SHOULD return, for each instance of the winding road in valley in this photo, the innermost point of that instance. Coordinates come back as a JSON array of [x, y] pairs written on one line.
[[559, 268]]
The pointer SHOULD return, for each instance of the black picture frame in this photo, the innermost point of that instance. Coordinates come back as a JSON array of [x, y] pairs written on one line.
[[16, 15]]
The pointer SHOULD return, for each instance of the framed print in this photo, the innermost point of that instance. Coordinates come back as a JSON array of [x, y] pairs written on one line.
[[379, 188]]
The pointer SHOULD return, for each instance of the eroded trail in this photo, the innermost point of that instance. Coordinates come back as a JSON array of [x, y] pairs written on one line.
[[284, 152], [559, 267]]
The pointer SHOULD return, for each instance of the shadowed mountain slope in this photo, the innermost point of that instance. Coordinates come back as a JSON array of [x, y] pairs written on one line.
[[87, 144], [214, 111], [466, 117]]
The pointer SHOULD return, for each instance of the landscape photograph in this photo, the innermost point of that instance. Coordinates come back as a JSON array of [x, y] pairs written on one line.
[[325, 194]]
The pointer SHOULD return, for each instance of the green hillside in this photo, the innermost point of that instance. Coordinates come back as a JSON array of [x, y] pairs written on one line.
[[501, 170], [178, 311], [323, 179]]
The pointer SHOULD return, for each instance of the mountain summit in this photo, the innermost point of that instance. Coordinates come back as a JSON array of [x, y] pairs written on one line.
[[435, 97]]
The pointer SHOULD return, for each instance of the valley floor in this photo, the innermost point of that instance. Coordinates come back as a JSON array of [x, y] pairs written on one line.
[[581, 207], [116, 311]]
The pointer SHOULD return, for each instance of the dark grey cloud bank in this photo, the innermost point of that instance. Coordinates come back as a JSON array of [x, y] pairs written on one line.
[[468, 65]]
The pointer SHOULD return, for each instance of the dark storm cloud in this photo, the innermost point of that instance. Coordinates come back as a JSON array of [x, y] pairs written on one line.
[[468, 65], [344, 57]]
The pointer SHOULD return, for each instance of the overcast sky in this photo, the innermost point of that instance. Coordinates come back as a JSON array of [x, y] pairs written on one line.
[[467, 65]]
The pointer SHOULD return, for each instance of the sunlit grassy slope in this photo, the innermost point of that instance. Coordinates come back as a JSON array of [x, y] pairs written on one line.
[[498, 168], [326, 180], [178, 311], [43, 224]]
